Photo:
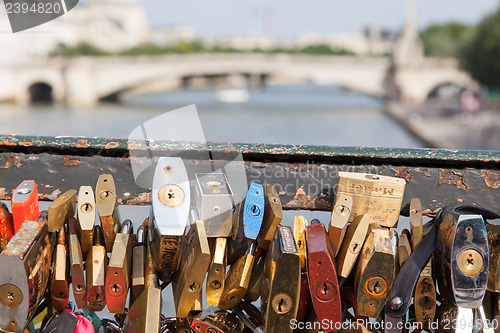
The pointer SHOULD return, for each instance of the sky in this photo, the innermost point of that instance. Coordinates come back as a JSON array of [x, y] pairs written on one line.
[[292, 17]]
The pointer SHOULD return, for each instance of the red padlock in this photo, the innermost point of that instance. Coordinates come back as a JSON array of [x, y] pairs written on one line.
[[24, 203], [6, 226]]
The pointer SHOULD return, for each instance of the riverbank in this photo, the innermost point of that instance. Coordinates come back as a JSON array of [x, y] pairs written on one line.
[[451, 130]]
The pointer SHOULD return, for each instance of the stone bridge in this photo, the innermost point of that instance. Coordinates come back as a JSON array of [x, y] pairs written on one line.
[[88, 80]]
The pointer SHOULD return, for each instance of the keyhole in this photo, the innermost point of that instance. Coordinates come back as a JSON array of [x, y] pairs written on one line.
[[86, 207], [280, 305], [355, 248], [376, 287], [325, 289], [470, 261], [10, 296], [115, 288], [171, 196], [254, 210]]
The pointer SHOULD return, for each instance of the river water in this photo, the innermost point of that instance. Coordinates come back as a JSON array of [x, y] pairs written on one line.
[[308, 114]]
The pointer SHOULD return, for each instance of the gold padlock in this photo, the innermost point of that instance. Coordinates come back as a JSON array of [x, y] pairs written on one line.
[[282, 304], [375, 271], [139, 261], [96, 266], [28, 257], [61, 209], [299, 235], [404, 248], [106, 207], [144, 314], [187, 281], [416, 222], [255, 285], [118, 274], [273, 214], [338, 223], [351, 247], [86, 216], [237, 279], [217, 271], [494, 269], [76, 264], [379, 196], [59, 288]]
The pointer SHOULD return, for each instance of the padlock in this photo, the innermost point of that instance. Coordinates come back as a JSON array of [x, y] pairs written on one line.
[[61, 209], [139, 261], [144, 315], [106, 207], [494, 246], [237, 279], [304, 298], [273, 214], [284, 291], [425, 290], [404, 248], [247, 322], [247, 222], [453, 319], [76, 264], [339, 220], [217, 271], [252, 311], [59, 284], [24, 203], [171, 199], [86, 216], [214, 320], [214, 203], [487, 325], [62, 323], [379, 196], [353, 242], [463, 260], [6, 226], [119, 269], [26, 260], [187, 281], [299, 235], [255, 285], [96, 266], [375, 271], [323, 284]]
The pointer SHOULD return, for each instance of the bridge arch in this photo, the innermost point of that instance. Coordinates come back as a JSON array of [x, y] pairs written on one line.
[[40, 92]]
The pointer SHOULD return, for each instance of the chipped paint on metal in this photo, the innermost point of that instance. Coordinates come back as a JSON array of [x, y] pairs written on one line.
[[12, 161], [71, 161], [491, 178], [23, 238], [404, 173], [453, 177]]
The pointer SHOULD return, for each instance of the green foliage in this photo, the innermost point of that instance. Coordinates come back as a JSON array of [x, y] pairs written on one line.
[[481, 54], [83, 49], [322, 49], [445, 40]]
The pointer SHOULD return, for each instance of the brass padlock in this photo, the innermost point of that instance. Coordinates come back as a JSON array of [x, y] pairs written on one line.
[[171, 200], [282, 304], [106, 207], [76, 264], [6, 226], [214, 203], [144, 314], [237, 279], [494, 246], [28, 257], [86, 216], [425, 289], [139, 261], [59, 285], [247, 226], [96, 266], [187, 281], [353, 242], [404, 248], [24, 203], [256, 279], [338, 223], [299, 235], [273, 214], [379, 196], [119, 269], [322, 275], [217, 271], [214, 320], [61, 209], [375, 271]]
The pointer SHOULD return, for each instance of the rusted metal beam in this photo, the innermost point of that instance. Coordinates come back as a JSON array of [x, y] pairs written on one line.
[[304, 176]]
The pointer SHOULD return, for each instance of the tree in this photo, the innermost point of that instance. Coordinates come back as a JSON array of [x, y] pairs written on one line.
[[445, 40], [481, 54]]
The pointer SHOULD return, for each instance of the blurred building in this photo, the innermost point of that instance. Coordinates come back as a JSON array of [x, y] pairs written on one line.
[[111, 25], [172, 35]]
